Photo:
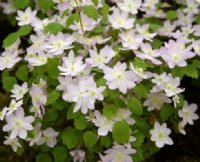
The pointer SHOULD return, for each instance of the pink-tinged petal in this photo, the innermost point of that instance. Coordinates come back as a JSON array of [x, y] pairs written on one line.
[[22, 133]]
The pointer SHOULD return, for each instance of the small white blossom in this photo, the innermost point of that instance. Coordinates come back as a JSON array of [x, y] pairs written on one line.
[[78, 155], [118, 153], [14, 143], [49, 137], [99, 60], [156, 100], [72, 65], [56, 44], [18, 91], [14, 105], [118, 78], [124, 114], [160, 134], [26, 17], [120, 19], [187, 113], [18, 124], [104, 125]]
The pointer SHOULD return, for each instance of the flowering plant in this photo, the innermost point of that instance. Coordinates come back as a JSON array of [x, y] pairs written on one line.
[[90, 80]]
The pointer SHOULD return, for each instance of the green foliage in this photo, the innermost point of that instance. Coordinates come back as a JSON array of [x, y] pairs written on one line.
[[52, 97], [60, 154], [121, 132], [22, 73], [90, 139], [71, 137], [105, 141], [71, 19], [135, 106], [42, 157], [171, 15], [45, 4], [8, 82], [53, 28], [12, 37], [109, 111], [140, 90], [91, 11], [80, 122], [166, 111], [22, 4], [52, 68]]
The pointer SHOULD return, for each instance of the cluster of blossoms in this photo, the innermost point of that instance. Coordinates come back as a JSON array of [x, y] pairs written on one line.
[[101, 61]]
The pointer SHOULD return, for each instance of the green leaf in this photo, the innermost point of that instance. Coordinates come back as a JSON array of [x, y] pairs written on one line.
[[139, 139], [52, 97], [50, 115], [60, 154], [71, 137], [105, 11], [171, 15], [91, 11], [139, 63], [90, 139], [109, 111], [21, 4], [52, 68], [45, 4], [71, 19], [166, 111], [71, 114], [121, 132], [42, 157], [22, 73], [190, 71], [105, 141], [80, 122], [53, 28], [24, 30], [8, 83], [135, 106], [140, 90], [10, 39]]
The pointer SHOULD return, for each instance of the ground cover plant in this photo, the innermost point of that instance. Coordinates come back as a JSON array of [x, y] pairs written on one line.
[[95, 80]]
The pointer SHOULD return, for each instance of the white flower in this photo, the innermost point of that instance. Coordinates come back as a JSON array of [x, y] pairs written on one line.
[[18, 124], [144, 31], [130, 6], [119, 19], [118, 153], [39, 98], [124, 114], [99, 60], [160, 134], [26, 17], [84, 92], [71, 65], [196, 47], [181, 126], [18, 91], [118, 77], [86, 24], [3, 114], [156, 100], [187, 113], [14, 105], [14, 143], [78, 155], [56, 44], [140, 74], [130, 40], [148, 54], [104, 125], [49, 137], [8, 59], [175, 53], [37, 134]]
